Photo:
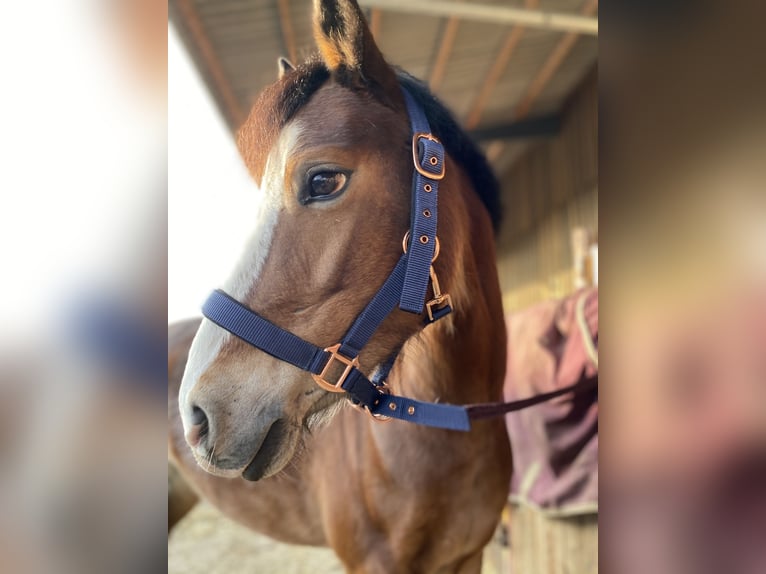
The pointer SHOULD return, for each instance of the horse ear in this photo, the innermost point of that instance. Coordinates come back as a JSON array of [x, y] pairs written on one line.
[[284, 66], [347, 46]]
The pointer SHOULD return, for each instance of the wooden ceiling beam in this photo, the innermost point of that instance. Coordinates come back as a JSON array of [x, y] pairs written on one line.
[[551, 65], [495, 13], [442, 57], [288, 33], [376, 16], [499, 64], [496, 70], [221, 86]]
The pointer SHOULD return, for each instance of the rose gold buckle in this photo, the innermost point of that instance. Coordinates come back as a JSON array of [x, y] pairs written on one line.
[[377, 417], [335, 356], [416, 159]]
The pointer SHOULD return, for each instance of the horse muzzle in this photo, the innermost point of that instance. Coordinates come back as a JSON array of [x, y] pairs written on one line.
[[255, 447]]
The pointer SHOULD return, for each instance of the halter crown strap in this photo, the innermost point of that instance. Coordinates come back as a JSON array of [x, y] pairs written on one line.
[[428, 158]]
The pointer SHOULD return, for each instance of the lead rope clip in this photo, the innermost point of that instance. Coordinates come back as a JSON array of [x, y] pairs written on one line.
[[441, 304]]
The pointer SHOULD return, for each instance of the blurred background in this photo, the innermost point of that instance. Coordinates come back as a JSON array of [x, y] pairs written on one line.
[[83, 236], [683, 237], [107, 228], [205, 174]]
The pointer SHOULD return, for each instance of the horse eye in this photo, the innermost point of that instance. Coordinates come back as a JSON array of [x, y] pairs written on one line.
[[326, 183]]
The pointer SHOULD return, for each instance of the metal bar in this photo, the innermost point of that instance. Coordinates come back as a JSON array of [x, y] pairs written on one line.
[[492, 13]]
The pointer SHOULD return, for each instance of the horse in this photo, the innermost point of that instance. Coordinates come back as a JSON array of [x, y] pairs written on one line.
[[330, 147]]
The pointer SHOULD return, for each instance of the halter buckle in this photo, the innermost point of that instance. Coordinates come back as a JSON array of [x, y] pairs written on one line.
[[416, 156], [335, 387]]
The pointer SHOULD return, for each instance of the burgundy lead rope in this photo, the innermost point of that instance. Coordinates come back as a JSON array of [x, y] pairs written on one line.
[[489, 410]]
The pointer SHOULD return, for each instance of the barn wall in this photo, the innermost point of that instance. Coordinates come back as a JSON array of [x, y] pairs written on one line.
[[550, 190], [544, 545]]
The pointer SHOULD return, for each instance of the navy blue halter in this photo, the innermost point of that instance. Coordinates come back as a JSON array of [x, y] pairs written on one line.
[[406, 285]]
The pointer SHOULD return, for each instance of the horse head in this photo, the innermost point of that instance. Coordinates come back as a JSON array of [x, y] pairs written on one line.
[[329, 144]]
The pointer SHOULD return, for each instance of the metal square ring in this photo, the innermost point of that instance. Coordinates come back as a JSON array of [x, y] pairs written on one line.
[[335, 356]]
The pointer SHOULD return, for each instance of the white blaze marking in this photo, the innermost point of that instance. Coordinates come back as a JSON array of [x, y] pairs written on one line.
[[210, 338]]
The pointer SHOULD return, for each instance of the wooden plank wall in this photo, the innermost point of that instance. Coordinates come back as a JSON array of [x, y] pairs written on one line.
[[550, 190], [545, 545]]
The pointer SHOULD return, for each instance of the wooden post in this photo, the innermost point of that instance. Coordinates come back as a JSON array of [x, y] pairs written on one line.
[[580, 244]]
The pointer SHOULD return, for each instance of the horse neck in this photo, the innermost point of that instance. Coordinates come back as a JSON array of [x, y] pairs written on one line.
[[460, 358]]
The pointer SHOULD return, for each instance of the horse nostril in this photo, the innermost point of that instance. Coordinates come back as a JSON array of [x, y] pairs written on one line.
[[198, 416], [199, 428]]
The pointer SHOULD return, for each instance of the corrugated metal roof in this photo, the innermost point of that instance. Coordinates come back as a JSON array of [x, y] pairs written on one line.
[[235, 45]]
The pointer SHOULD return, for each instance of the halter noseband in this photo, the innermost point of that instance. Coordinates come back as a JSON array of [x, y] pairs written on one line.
[[406, 285]]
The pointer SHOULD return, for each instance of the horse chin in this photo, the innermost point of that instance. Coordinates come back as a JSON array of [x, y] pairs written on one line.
[[210, 467], [274, 454], [283, 439]]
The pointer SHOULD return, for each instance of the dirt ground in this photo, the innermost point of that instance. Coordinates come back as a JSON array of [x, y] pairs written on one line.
[[206, 542]]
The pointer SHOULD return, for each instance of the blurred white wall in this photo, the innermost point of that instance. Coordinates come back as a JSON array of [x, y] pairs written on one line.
[[82, 151], [211, 197]]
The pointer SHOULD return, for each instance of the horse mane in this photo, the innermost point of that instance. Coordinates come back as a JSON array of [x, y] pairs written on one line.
[[310, 76]]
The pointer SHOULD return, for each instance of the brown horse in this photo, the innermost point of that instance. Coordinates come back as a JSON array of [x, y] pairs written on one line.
[[329, 144]]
